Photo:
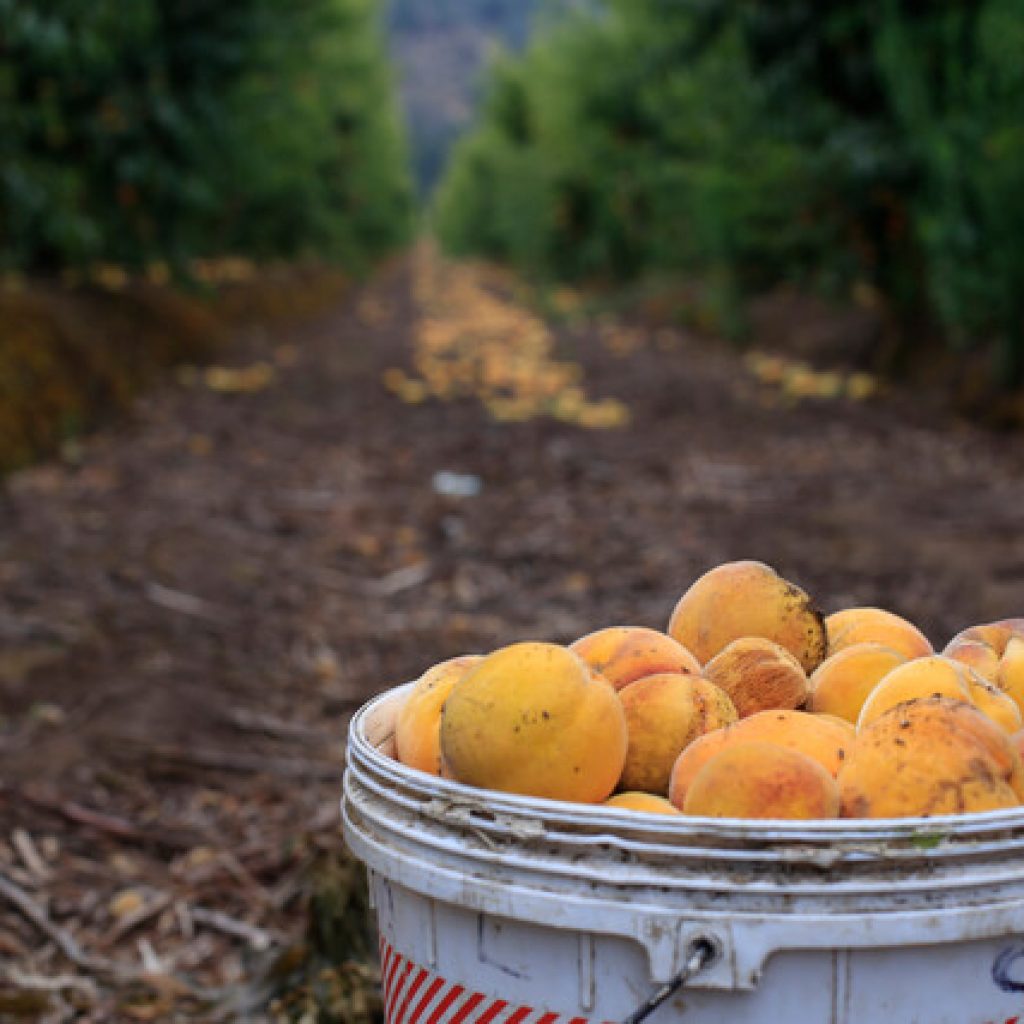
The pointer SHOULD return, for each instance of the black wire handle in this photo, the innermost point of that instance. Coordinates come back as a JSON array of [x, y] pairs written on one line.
[[699, 954]]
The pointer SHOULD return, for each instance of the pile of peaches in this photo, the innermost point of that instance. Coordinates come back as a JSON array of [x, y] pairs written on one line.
[[750, 705]]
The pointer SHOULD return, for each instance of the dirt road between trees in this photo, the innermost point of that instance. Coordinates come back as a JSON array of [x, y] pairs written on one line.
[[193, 601]]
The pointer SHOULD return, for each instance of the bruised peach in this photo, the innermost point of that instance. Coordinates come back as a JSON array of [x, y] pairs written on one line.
[[664, 714], [934, 676], [875, 626], [762, 780], [418, 722], [648, 803], [623, 654], [747, 598], [819, 739], [532, 718], [842, 682], [758, 675], [929, 756]]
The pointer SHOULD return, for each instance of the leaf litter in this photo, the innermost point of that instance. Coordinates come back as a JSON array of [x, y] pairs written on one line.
[[186, 628]]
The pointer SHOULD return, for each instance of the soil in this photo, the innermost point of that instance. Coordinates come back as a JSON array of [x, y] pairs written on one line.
[[193, 602]]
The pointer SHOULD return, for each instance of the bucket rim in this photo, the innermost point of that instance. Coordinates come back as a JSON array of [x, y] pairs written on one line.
[[924, 829]]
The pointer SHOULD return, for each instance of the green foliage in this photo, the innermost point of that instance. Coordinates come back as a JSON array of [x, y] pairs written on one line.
[[837, 143], [607, 151], [169, 129], [968, 139]]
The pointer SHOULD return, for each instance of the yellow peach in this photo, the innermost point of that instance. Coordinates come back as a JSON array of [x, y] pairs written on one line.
[[845, 724], [762, 780], [996, 634], [994, 702], [1001, 643], [929, 756], [842, 682], [1011, 670], [977, 655], [819, 739], [664, 714], [758, 675], [533, 718], [691, 760], [875, 626], [1017, 739], [418, 722], [747, 598], [623, 654], [648, 803], [934, 676]]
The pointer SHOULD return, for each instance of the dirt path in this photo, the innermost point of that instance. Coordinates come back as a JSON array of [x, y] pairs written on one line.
[[190, 609]]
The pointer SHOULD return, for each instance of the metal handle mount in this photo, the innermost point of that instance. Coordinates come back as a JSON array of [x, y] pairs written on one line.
[[699, 953]]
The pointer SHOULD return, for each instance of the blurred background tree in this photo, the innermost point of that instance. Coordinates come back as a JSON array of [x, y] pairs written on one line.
[[171, 129], [859, 148], [864, 149]]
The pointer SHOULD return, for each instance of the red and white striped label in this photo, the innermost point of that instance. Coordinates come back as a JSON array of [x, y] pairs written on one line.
[[415, 995]]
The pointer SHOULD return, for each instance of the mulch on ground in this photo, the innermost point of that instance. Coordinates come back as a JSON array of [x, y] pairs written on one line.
[[193, 602]]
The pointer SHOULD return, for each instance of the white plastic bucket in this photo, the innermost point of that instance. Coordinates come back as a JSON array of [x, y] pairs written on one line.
[[499, 909]]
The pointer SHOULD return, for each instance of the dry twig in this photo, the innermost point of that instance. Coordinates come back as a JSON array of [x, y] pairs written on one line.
[[258, 938], [34, 913], [169, 837], [137, 917], [185, 604], [30, 856], [42, 983], [171, 757], [247, 720]]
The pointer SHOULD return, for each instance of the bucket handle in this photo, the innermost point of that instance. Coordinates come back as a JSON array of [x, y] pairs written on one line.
[[699, 953]]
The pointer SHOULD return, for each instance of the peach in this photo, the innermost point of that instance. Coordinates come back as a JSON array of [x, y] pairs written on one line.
[[664, 714], [623, 654], [976, 655], [418, 722], [993, 702], [845, 724], [1011, 670], [746, 598], [842, 682], [758, 675], [819, 739], [998, 746], [934, 676], [1001, 642], [1017, 739], [875, 626], [929, 756], [533, 718], [996, 634], [762, 780], [689, 763], [648, 803]]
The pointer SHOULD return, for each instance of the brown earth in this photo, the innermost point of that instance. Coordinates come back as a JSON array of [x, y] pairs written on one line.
[[193, 601]]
